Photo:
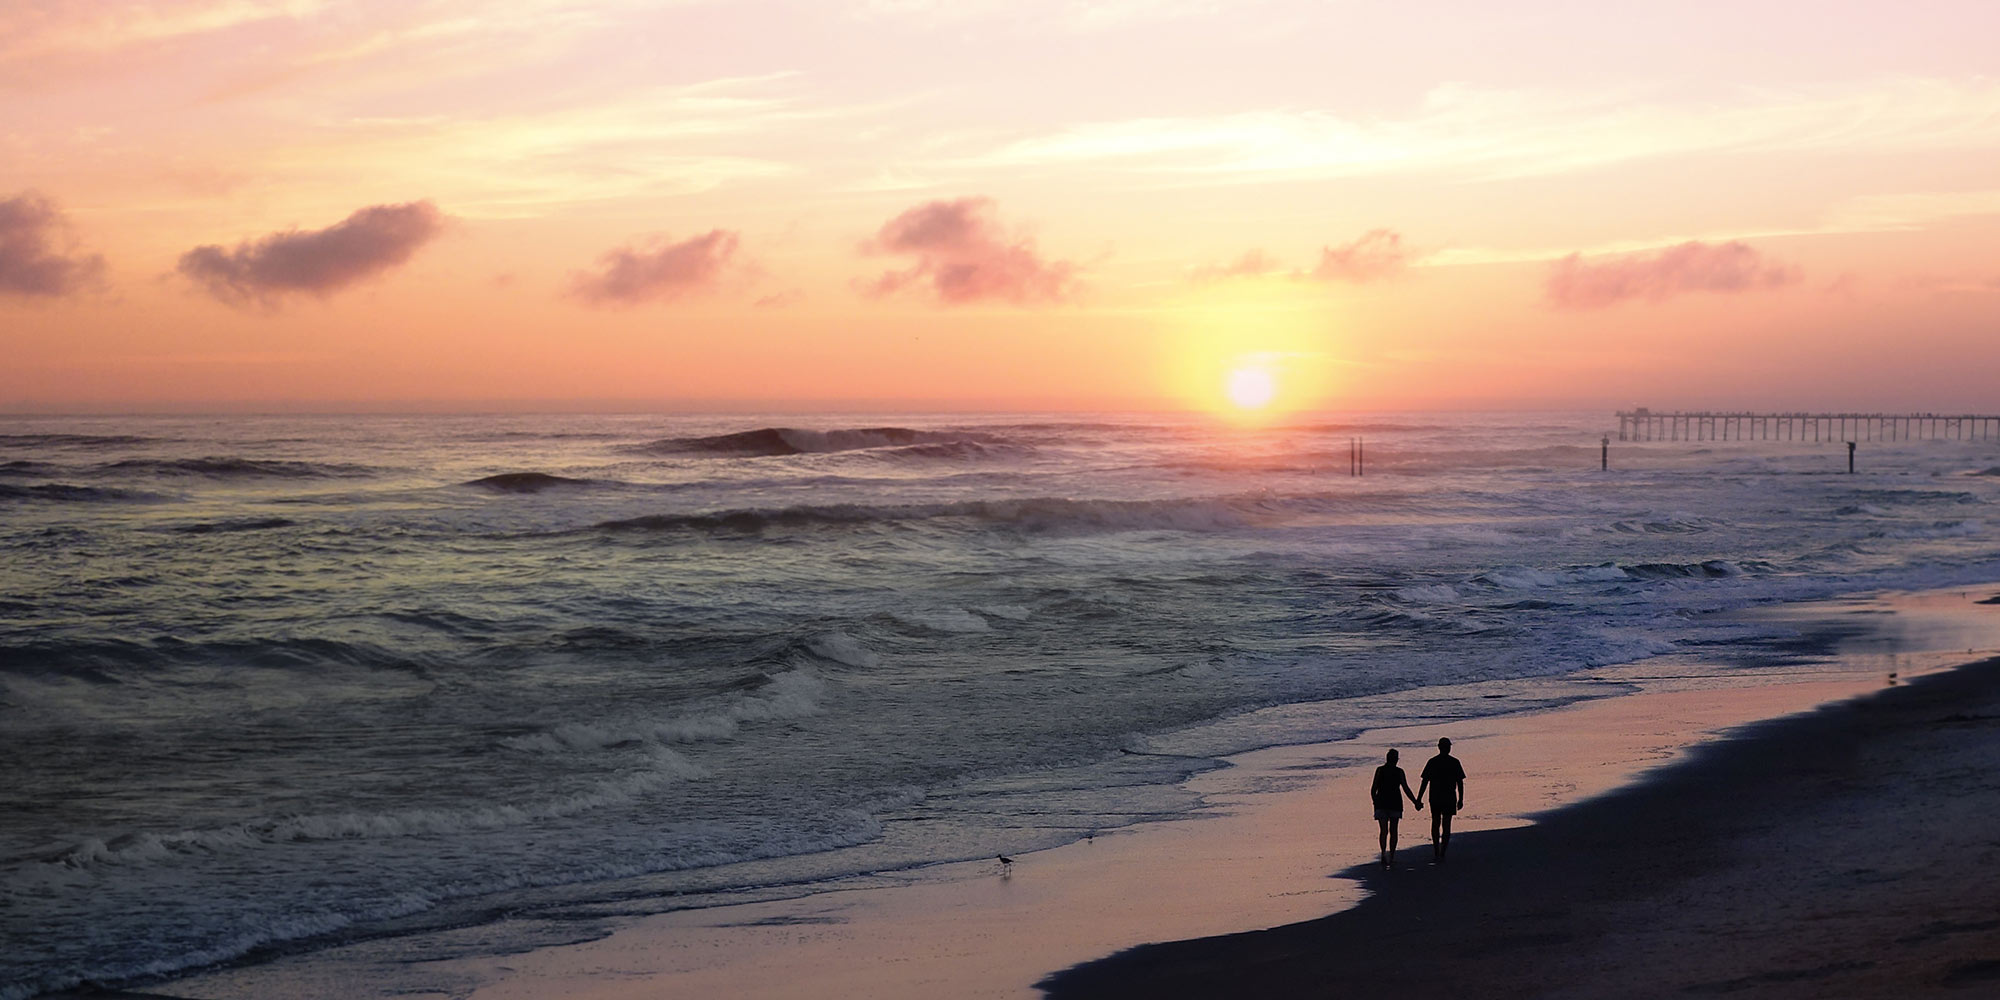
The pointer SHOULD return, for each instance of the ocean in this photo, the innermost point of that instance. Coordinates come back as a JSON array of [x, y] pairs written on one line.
[[276, 683]]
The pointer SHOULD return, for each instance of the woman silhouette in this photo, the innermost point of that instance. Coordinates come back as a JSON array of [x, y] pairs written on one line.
[[1389, 780]]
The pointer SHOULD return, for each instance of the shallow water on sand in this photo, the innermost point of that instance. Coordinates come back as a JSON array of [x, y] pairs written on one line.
[[280, 679]]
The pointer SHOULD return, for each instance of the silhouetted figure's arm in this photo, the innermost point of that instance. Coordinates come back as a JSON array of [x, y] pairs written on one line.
[[1411, 794], [1422, 783]]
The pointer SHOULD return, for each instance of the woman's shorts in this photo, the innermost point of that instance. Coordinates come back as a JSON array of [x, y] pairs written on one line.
[[1388, 814]]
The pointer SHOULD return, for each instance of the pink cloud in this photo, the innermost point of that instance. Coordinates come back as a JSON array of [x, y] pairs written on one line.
[[1575, 283], [1253, 263], [1379, 253], [37, 258], [660, 270], [314, 262], [963, 255]]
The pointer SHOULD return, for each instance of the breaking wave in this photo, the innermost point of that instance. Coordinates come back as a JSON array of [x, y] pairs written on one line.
[[241, 524], [776, 441], [1042, 514], [526, 482], [229, 467], [66, 493], [72, 440], [792, 695], [665, 767]]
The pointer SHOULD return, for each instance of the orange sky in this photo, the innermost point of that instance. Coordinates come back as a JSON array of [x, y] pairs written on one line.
[[229, 204]]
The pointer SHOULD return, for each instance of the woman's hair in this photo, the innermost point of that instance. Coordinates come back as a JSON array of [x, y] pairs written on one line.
[[1392, 756]]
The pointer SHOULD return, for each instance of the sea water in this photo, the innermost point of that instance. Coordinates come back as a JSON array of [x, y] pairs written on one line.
[[272, 683]]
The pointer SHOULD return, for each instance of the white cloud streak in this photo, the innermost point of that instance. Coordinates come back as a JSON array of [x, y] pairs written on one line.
[[1488, 134]]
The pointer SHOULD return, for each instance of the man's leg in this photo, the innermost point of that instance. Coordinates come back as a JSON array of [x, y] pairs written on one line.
[[1444, 844]]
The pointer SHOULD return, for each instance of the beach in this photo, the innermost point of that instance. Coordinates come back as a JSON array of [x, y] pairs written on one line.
[[1846, 852], [1702, 835]]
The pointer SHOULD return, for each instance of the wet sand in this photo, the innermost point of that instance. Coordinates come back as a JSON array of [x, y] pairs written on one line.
[[1848, 852]]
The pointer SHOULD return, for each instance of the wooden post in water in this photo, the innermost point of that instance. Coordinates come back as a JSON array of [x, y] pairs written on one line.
[[1850, 458], [1604, 457]]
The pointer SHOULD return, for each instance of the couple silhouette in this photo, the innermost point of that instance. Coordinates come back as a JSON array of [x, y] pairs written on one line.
[[1442, 776]]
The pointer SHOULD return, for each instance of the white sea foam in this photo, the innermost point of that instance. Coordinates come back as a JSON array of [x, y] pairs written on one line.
[[663, 767], [943, 620], [1533, 578], [843, 648], [790, 695], [1429, 592]]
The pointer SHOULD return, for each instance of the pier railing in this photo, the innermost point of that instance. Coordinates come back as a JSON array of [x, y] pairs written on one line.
[[1720, 425]]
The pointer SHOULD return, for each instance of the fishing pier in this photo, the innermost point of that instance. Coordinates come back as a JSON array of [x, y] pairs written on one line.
[[1718, 425]]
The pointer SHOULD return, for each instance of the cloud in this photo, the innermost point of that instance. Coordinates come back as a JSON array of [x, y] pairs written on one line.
[[661, 270], [1253, 263], [37, 258], [1577, 283], [317, 262], [962, 254], [1465, 131], [1378, 254]]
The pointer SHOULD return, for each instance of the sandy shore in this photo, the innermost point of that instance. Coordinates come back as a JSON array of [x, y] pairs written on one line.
[[1849, 852], [1601, 884]]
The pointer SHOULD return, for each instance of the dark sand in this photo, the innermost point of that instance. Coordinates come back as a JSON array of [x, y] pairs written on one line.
[[1853, 851]]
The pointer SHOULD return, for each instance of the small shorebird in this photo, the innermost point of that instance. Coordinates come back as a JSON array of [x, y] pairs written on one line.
[[1005, 860]]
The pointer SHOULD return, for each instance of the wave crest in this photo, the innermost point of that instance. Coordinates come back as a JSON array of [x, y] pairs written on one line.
[[232, 467], [776, 441], [66, 493], [1039, 514], [526, 482]]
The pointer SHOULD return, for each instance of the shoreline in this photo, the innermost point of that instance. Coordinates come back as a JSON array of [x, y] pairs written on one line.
[[1275, 843], [1795, 857]]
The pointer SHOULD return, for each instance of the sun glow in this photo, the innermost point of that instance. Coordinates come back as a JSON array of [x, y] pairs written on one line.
[[1251, 387]]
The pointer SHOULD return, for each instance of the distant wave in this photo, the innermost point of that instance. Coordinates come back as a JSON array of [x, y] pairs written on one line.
[[65, 493], [1668, 524], [1515, 578], [23, 467], [776, 441], [526, 482], [72, 440], [1043, 514], [1362, 427], [1710, 569], [241, 524], [229, 467], [1988, 471], [113, 661], [1918, 496]]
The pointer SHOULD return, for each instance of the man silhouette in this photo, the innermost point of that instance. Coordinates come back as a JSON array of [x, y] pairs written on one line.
[[1446, 779]]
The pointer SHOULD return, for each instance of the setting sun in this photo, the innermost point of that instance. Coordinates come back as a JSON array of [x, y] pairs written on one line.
[[1252, 387]]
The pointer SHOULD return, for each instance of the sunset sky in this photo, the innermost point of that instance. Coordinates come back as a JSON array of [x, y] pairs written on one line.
[[1032, 204]]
